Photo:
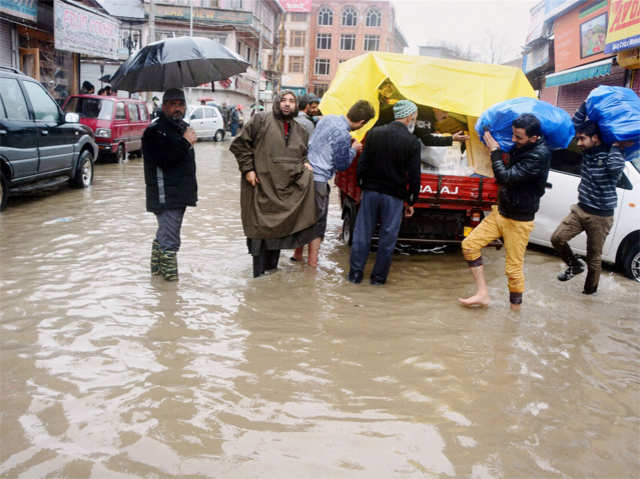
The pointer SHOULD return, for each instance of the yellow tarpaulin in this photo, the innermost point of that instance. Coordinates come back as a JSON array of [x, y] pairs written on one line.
[[456, 86]]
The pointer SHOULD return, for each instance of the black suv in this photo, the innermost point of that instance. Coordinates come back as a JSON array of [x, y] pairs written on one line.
[[39, 146]]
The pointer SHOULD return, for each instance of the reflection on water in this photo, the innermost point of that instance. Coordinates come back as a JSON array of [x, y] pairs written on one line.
[[107, 372]]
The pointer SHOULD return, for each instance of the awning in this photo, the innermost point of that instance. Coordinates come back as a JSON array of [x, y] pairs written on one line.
[[581, 73]]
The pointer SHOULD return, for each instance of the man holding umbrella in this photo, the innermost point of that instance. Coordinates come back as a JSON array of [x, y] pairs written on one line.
[[170, 176]]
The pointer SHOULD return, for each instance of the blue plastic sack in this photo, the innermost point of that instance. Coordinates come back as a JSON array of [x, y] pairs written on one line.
[[616, 110], [557, 127]]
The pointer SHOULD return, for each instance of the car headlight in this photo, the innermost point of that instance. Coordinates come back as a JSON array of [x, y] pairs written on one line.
[[103, 133]]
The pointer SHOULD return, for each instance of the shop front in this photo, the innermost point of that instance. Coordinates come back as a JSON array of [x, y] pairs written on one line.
[[581, 61]]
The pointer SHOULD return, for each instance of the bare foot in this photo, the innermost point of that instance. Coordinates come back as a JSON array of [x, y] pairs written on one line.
[[479, 300], [297, 255], [313, 263], [515, 307]]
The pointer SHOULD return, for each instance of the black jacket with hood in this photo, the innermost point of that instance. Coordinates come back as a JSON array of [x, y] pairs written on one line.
[[522, 179]]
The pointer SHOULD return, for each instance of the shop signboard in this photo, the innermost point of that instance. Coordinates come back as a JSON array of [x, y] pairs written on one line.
[[296, 6], [211, 15], [623, 29], [81, 31], [26, 9]]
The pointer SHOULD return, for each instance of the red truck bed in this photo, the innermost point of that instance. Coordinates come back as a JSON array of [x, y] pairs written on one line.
[[452, 192]]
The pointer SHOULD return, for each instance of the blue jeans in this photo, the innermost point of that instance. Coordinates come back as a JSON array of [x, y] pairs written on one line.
[[169, 225], [388, 209]]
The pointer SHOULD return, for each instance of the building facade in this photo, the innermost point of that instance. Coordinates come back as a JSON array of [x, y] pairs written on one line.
[[340, 30], [569, 49]]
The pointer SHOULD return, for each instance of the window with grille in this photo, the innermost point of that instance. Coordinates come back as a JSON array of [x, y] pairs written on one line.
[[373, 18], [320, 89], [321, 66], [296, 64], [349, 17], [372, 43], [298, 17], [325, 16], [296, 38], [347, 41], [323, 41]]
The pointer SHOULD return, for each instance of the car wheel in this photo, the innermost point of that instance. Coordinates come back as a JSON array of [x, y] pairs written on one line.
[[120, 154], [348, 225], [631, 263], [4, 192], [84, 173], [219, 136]]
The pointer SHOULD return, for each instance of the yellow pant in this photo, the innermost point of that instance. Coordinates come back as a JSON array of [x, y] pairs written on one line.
[[515, 235]]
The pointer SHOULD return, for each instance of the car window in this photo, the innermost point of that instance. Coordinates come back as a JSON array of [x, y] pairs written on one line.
[[90, 108], [197, 114], [13, 100], [142, 109], [208, 113], [636, 163], [44, 108], [120, 114], [133, 111], [566, 161], [623, 182], [3, 113]]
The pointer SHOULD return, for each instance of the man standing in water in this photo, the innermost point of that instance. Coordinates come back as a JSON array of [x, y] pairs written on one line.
[[276, 193], [330, 149], [597, 199], [389, 175], [170, 176], [522, 182]]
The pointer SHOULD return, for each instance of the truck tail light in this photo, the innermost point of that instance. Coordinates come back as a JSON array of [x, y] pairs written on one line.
[[476, 217]]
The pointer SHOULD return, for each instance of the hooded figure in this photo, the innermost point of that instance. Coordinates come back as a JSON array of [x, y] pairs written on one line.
[[277, 193]]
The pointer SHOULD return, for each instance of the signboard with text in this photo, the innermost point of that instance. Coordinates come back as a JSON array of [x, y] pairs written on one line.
[[81, 31], [296, 6], [623, 29], [27, 9], [214, 15]]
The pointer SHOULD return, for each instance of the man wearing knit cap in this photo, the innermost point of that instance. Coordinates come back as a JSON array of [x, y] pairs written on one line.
[[389, 163], [170, 176]]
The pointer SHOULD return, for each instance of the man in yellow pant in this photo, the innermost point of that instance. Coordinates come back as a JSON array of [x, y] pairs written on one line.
[[522, 178]]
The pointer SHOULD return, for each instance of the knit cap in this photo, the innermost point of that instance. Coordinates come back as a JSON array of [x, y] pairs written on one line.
[[403, 109]]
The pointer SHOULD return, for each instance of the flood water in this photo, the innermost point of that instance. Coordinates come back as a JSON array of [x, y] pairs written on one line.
[[108, 373]]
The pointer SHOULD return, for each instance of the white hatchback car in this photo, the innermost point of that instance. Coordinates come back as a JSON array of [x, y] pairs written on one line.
[[622, 246], [206, 121]]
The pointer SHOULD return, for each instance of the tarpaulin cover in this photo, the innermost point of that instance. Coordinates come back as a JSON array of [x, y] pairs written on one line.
[[557, 127], [456, 86], [616, 110]]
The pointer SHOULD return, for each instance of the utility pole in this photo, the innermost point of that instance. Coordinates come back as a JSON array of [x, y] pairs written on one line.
[[190, 34], [152, 22]]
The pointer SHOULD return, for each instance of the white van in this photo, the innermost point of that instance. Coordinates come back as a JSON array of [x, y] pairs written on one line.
[[206, 121], [622, 246]]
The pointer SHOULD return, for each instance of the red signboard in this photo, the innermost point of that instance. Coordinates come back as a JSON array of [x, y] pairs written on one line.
[[302, 6]]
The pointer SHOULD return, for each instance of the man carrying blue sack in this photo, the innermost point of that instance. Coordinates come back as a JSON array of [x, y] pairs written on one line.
[[522, 180], [597, 199]]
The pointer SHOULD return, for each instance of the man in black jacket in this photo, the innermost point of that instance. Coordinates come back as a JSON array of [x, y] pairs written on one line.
[[390, 160], [170, 176], [522, 182]]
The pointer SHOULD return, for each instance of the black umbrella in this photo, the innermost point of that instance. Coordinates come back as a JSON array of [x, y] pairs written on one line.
[[176, 63], [105, 78]]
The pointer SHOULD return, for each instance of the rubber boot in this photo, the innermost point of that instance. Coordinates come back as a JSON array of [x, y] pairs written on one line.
[[169, 265], [591, 282], [272, 257], [156, 252]]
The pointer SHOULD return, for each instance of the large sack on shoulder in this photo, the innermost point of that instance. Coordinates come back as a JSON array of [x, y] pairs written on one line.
[[616, 110], [557, 127]]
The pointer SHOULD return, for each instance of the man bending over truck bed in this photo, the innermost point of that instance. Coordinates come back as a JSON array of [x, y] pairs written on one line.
[[522, 182]]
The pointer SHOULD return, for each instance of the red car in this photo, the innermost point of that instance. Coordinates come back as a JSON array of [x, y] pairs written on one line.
[[118, 123]]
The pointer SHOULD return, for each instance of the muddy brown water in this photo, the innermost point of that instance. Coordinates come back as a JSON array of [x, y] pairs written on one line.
[[108, 373]]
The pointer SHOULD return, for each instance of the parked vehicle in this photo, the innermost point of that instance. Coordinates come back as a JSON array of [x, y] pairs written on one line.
[[622, 246], [450, 205], [206, 121], [118, 123], [40, 146]]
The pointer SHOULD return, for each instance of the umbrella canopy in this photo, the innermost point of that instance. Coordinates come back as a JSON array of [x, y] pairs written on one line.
[[177, 63]]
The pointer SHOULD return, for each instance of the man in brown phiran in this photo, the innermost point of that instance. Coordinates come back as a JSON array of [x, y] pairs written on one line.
[[277, 193]]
